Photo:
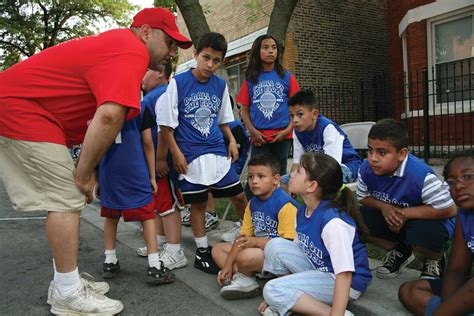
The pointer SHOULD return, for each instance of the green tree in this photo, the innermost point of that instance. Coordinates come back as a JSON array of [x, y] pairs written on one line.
[[27, 27]]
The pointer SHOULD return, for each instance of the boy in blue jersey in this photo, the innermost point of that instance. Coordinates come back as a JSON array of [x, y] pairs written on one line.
[[404, 204], [314, 132], [127, 182], [193, 116], [270, 213], [451, 295], [167, 198]]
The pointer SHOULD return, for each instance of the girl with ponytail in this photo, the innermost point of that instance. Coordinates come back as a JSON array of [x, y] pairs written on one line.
[[327, 265]]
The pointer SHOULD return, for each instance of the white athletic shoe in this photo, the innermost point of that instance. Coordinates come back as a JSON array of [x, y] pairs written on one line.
[[270, 312], [83, 301], [143, 251], [240, 287], [88, 281], [232, 233], [173, 260]]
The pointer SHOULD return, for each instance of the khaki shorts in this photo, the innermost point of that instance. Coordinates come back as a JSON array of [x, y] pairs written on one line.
[[38, 176]]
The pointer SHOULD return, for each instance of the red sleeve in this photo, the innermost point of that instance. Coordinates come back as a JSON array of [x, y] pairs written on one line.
[[118, 80], [243, 97], [294, 86]]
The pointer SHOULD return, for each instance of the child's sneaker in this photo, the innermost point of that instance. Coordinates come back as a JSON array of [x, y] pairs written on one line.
[[88, 281], [270, 312], [160, 276], [186, 217], [173, 260], [203, 261], [394, 261], [83, 301], [241, 287], [211, 221], [110, 270], [143, 251], [433, 268], [232, 233]]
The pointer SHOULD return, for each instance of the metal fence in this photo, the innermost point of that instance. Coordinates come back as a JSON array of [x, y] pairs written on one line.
[[436, 105]]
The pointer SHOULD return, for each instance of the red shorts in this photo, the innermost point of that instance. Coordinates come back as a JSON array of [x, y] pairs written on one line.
[[139, 214], [168, 197]]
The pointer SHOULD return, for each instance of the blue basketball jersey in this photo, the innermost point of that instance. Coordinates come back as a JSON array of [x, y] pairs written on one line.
[[198, 132], [123, 172], [313, 141], [265, 212], [149, 100], [269, 100], [309, 229], [405, 191], [466, 218]]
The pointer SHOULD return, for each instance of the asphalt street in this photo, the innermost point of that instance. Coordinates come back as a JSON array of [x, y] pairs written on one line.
[[26, 270]]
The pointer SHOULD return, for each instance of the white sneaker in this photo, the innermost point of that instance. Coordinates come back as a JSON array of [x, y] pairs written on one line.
[[83, 301], [232, 233], [210, 221], [173, 260], [270, 312], [143, 251], [88, 281], [240, 287], [186, 217]]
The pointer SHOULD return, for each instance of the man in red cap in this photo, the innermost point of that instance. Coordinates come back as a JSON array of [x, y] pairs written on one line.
[[80, 91]]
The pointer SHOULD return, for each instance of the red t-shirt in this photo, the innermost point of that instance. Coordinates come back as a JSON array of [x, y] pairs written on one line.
[[243, 98], [53, 95]]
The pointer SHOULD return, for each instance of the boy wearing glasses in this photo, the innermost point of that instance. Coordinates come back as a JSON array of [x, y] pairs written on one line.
[[405, 206]]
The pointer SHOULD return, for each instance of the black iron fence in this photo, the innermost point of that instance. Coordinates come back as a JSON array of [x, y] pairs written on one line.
[[436, 105]]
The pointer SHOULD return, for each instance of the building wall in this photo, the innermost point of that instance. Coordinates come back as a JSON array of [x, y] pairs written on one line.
[[229, 17], [340, 41]]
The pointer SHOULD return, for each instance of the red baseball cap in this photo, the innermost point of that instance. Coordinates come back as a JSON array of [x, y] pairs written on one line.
[[163, 19]]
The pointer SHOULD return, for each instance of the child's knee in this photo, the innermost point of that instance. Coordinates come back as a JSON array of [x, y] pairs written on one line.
[[404, 292]]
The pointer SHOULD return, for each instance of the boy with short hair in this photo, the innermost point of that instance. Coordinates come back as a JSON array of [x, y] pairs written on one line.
[[270, 213], [193, 116], [314, 132], [127, 182], [167, 198], [404, 204]]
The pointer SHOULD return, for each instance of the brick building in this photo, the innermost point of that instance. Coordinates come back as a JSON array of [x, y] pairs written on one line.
[[431, 60], [329, 43]]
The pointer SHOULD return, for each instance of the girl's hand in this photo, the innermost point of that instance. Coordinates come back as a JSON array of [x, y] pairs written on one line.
[[257, 138], [225, 276], [162, 168], [280, 136], [262, 307], [154, 186], [179, 163]]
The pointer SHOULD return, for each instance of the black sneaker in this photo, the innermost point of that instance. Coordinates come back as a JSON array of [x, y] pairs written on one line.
[[433, 268], [203, 261], [110, 270], [394, 261], [162, 275]]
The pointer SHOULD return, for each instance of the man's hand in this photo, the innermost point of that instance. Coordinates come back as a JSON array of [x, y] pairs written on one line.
[[280, 136], [85, 184], [246, 242], [225, 275]]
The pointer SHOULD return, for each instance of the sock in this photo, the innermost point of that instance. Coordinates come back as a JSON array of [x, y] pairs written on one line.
[[67, 282], [173, 247], [154, 260], [110, 256], [161, 241], [201, 242], [55, 271]]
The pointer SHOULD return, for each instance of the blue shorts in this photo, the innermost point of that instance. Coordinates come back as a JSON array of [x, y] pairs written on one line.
[[197, 193]]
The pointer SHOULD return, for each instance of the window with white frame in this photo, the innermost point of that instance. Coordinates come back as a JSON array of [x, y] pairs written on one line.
[[236, 75], [452, 56]]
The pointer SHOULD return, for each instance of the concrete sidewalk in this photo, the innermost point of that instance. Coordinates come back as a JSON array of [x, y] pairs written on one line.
[[380, 298]]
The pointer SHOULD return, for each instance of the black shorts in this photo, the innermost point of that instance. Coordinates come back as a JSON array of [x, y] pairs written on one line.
[[424, 233]]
